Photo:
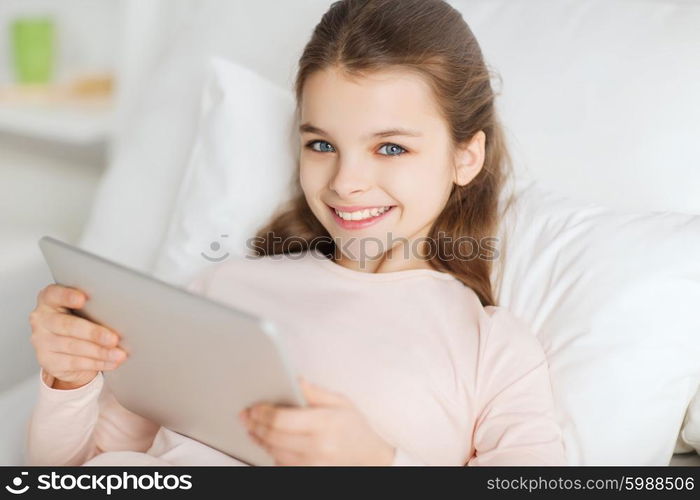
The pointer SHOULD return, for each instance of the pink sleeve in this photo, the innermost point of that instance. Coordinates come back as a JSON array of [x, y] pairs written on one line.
[[516, 423], [69, 427], [402, 458]]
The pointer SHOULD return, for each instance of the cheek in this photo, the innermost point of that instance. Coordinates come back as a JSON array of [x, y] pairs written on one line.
[[420, 189], [310, 178], [414, 183]]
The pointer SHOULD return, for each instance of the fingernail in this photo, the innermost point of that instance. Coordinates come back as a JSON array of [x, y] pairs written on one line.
[[116, 354]]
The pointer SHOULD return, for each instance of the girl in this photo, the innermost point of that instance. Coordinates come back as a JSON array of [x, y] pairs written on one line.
[[406, 358]]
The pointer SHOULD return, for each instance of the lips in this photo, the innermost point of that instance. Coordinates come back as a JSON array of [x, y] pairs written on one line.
[[355, 208], [360, 224]]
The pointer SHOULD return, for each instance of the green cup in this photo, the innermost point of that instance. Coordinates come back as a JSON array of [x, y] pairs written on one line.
[[33, 49]]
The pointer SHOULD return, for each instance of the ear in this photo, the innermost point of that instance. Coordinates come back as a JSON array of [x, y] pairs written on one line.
[[469, 158]]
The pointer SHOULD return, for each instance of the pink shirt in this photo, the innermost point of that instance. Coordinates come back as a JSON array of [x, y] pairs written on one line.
[[444, 379]]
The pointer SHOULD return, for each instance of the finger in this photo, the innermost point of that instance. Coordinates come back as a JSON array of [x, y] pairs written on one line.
[[75, 326], [67, 362], [58, 296], [283, 418], [281, 440], [282, 456], [78, 347], [319, 396]]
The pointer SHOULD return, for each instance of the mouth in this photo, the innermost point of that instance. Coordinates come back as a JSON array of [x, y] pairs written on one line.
[[359, 219]]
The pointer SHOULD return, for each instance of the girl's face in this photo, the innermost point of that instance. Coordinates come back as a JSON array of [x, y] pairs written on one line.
[[378, 151]]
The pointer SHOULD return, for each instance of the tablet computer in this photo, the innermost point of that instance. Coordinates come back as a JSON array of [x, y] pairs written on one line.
[[194, 363]]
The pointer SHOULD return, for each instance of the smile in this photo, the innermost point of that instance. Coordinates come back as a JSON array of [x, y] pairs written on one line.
[[361, 218]]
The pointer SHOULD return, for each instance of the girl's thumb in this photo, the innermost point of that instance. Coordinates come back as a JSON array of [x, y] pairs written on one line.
[[318, 396]]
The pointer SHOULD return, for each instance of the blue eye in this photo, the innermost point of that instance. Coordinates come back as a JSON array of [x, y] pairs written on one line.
[[398, 150], [310, 145], [394, 149]]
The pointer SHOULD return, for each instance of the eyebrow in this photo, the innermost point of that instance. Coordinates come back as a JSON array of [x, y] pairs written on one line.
[[312, 129]]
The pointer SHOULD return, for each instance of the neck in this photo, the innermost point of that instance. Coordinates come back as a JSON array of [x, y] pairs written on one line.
[[400, 257]]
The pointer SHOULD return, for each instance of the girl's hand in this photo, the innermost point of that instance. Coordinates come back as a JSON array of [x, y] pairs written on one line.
[[70, 348], [331, 431]]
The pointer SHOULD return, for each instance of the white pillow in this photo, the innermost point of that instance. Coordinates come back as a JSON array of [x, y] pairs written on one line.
[[613, 298], [689, 438], [240, 170], [610, 295]]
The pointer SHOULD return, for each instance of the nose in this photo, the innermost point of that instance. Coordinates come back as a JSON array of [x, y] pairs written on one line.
[[351, 178]]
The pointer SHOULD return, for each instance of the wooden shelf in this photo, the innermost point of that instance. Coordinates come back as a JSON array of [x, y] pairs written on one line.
[[59, 113]]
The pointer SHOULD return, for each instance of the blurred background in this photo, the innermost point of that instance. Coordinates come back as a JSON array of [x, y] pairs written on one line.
[[58, 66]]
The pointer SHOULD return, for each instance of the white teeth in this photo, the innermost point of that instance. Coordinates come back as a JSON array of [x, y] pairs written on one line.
[[361, 214]]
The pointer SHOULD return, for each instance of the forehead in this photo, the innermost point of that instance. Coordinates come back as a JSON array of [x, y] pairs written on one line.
[[394, 97]]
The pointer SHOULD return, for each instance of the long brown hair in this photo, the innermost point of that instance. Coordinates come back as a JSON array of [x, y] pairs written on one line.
[[431, 38]]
